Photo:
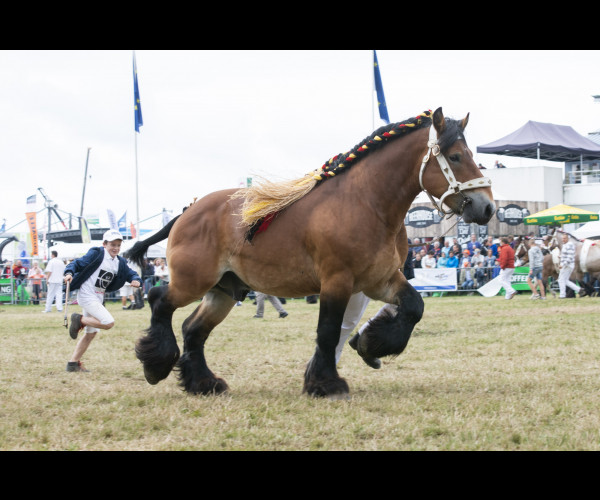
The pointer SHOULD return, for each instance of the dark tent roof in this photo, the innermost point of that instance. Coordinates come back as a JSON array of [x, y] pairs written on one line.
[[554, 142]]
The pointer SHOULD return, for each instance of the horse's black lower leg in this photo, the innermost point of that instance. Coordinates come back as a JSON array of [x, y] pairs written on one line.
[[389, 332], [158, 350], [321, 378], [194, 375]]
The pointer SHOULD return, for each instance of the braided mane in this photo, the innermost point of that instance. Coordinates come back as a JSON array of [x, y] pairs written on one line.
[[265, 200]]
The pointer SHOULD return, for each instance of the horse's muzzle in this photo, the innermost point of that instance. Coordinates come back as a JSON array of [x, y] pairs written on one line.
[[480, 209]]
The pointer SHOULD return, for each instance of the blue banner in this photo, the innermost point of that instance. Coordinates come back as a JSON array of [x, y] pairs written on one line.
[[383, 112], [137, 105]]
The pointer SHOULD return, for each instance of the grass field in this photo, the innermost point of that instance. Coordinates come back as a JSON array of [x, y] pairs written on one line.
[[478, 374]]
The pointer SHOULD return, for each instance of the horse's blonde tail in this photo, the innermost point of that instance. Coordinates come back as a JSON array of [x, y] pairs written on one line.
[[268, 197]]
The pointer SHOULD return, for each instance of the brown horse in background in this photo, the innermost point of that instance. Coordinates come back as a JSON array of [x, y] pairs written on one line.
[[332, 233], [587, 260]]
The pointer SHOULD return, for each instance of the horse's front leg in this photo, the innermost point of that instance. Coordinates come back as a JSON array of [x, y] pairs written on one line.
[[321, 378], [388, 333]]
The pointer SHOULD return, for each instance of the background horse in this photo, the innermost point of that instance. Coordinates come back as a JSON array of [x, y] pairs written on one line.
[[335, 232], [587, 260]]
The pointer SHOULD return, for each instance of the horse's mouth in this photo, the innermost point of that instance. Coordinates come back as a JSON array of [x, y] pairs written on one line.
[[476, 207]]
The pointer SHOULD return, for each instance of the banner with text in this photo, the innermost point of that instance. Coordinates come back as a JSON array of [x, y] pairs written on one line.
[[434, 280]]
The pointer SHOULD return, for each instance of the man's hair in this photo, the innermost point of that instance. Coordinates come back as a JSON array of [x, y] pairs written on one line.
[[504, 240], [54, 253]]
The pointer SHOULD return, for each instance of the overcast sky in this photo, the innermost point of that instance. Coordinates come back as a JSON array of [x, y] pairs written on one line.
[[213, 118]]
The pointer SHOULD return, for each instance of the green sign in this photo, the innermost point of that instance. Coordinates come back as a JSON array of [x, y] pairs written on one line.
[[6, 290], [519, 278]]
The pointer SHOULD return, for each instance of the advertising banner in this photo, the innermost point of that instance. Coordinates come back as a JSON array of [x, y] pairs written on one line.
[[31, 220], [434, 280]]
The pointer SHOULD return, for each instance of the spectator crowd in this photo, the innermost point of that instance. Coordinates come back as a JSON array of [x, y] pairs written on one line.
[[476, 262]]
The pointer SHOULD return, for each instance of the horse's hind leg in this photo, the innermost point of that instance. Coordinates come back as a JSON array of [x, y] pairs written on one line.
[[158, 350], [194, 375]]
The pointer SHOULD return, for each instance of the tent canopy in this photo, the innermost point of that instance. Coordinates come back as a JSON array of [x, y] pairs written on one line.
[[544, 141], [560, 214]]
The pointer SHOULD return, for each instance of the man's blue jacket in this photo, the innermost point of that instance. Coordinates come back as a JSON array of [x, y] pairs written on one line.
[[81, 269]]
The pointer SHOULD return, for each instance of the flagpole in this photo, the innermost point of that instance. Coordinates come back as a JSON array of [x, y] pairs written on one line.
[[138, 123], [137, 202]]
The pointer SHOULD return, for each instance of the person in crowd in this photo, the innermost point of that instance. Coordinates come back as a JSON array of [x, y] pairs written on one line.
[[161, 271], [7, 270], [473, 244], [100, 270], [148, 276], [466, 276], [19, 272], [417, 261], [536, 262], [35, 277], [417, 246], [466, 258], [437, 249], [481, 275], [54, 282], [567, 265], [446, 248], [506, 260], [476, 258], [490, 259], [428, 262], [260, 305], [442, 261], [452, 260], [126, 292]]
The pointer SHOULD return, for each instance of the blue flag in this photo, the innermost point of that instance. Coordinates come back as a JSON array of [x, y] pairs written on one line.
[[137, 105], [383, 113], [122, 224]]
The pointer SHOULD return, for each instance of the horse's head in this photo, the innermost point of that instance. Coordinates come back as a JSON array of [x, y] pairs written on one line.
[[452, 176]]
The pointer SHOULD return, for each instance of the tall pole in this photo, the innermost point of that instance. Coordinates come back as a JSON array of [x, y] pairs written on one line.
[[84, 182], [137, 203]]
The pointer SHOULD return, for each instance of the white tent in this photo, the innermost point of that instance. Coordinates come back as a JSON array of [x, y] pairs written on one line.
[[589, 230]]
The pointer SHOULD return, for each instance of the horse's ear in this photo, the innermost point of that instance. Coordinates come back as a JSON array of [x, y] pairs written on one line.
[[439, 122], [463, 123]]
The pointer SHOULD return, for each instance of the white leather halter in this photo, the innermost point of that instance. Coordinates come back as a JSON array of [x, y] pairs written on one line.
[[453, 185]]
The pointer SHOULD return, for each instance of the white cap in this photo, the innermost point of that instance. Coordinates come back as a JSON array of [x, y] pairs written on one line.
[[112, 235]]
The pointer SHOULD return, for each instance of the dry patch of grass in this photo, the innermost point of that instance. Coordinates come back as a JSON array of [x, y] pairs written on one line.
[[478, 374]]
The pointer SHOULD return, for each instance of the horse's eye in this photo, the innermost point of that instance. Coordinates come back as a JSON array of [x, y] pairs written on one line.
[[455, 157]]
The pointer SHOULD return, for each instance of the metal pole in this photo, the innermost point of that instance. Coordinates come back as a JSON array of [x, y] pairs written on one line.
[[84, 182], [137, 203]]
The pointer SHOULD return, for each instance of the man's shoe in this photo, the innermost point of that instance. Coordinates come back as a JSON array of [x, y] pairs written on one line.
[[257, 316], [76, 325], [76, 366], [283, 314], [372, 362], [508, 297], [582, 292]]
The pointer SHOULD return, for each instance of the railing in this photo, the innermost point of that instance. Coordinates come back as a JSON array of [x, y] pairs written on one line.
[[585, 177], [21, 292]]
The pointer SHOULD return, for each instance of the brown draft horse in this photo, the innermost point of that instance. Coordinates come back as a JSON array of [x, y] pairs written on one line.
[[336, 239], [587, 260]]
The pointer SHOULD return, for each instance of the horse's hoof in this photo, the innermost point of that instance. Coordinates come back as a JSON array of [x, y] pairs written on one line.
[[369, 360], [331, 388], [208, 386], [154, 376]]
